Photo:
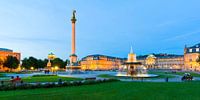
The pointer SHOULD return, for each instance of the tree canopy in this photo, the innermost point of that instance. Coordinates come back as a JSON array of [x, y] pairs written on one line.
[[33, 62], [58, 62], [11, 62], [27, 63], [198, 59]]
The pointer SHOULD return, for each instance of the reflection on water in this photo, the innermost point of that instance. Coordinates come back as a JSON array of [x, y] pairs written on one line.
[[137, 75]]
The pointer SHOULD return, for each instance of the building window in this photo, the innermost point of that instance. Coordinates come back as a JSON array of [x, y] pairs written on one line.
[[197, 49], [190, 50]]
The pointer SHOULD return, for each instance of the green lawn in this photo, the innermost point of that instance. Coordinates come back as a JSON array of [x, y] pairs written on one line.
[[111, 91], [2, 75], [48, 79]]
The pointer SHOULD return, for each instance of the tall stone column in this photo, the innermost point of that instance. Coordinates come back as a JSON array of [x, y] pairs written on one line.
[[73, 38], [73, 56]]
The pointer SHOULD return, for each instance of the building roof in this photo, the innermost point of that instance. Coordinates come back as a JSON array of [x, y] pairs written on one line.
[[151, 56], [99, 55], [193, 49], [160, 56], [195, 46], [5, 49]]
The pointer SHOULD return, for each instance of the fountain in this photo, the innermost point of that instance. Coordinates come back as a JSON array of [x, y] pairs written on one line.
[[133, 68]]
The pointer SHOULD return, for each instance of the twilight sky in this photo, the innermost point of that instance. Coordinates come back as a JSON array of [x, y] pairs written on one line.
[[109, 27]]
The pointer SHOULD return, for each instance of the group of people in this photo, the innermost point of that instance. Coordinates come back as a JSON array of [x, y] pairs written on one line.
[[46, 71], [15, 81]]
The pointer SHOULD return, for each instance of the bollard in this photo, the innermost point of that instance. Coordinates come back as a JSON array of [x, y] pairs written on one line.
[[2, 82], [60, 81], [167, 79]]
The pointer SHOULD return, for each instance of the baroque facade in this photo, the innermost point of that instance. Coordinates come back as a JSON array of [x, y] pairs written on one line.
[[101, 62], [162, 61], [190, 57]]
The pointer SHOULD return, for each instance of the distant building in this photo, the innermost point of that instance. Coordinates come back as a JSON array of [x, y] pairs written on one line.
[[150, 61], [153, 61], [190, 57], [101, 62], [162, 61], [7, 52]]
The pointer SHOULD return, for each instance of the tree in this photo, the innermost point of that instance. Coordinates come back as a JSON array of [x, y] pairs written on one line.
[[11, 62], [1, 62], [34, 62], [25, 63], [58, 62], [67, 62], [198, 59], [41, 63]]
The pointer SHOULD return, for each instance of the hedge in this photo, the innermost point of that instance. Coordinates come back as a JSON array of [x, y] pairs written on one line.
[[53, 84]]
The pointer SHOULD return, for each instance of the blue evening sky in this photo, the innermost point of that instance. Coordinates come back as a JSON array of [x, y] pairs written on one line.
[[109, 27]]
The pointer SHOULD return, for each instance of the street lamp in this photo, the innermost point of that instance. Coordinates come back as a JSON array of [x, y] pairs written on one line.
[[32, 68], [56, 68]]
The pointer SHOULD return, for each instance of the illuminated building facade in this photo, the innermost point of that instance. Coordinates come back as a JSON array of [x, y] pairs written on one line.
[[3, 55], [153, 61], [101, 62], [190, 57], [150, 61], [162, 61]]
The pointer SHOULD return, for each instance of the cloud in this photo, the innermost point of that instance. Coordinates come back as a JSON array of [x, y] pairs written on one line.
[[167, 23], [28, 39], [183, 36]]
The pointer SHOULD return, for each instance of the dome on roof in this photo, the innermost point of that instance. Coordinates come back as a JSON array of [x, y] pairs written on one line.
[[151, 56]]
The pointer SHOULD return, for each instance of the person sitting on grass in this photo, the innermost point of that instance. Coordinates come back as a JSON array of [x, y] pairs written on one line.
[[17, 80], [12, 80]]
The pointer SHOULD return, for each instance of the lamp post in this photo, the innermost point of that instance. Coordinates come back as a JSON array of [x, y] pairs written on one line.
[[32, 68], [56, 69]]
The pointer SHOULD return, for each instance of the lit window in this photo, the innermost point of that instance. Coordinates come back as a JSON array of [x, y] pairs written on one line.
[[197, 49], [190, 50]]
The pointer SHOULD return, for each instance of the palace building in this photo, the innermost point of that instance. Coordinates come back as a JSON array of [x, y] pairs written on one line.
[[152, 61], [7, 52], [190, 57], [101, 62], [162, 61]]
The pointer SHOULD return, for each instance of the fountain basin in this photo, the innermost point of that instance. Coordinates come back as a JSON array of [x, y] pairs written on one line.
[[137, 76]]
